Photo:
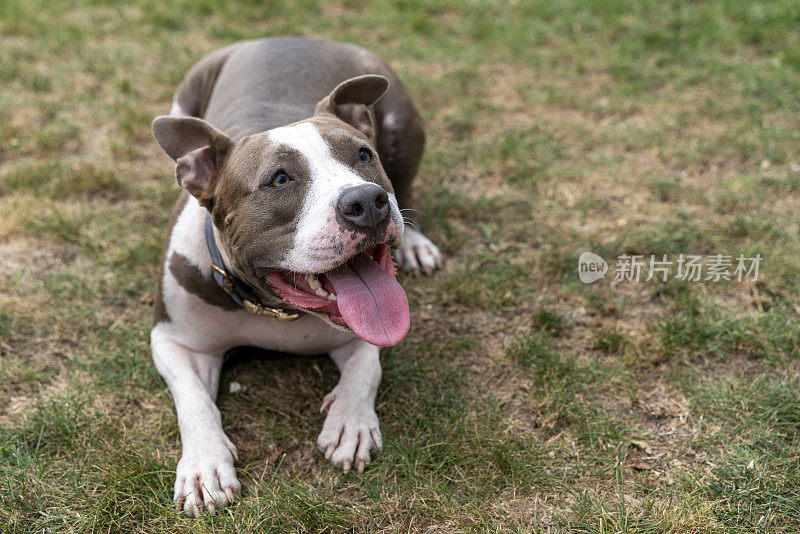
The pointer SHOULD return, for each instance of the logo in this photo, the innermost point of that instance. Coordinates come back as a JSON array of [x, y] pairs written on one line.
[[591, 267]]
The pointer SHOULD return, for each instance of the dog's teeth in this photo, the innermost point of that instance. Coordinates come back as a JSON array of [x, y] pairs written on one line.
[[332, 296], [321, 292], [313, 281]]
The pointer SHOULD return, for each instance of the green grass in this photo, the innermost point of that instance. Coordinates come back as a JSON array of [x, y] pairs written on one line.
[[522, 400]]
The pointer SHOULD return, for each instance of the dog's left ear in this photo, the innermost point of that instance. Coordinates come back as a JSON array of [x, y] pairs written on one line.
[[350, 101]]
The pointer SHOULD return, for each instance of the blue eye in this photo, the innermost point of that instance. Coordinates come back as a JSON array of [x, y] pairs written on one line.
[[364, 155], [280, 179]]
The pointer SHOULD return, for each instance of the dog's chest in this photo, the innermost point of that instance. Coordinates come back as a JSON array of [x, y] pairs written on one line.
[[209, 328], [307, 335]]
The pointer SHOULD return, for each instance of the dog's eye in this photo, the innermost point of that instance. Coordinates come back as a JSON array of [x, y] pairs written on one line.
[[280, 179], [364, 155]]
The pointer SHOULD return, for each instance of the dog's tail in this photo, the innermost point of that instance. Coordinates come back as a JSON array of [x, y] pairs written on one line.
[[191, 98]]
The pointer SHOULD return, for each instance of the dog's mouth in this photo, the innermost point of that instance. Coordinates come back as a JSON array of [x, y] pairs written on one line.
[[362, 294]]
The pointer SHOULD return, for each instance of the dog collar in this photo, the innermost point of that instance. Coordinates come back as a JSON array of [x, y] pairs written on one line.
[[237, 290]]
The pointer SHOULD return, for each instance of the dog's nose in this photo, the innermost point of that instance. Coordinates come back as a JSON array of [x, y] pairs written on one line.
[[364, 206]]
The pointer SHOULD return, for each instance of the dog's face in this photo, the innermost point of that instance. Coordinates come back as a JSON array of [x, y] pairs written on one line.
[[305, 212]]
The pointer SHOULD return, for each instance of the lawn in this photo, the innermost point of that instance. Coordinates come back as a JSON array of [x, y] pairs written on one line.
[[522, 400]]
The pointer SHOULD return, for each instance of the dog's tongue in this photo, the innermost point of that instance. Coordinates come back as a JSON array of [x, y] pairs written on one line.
[[371, 302]]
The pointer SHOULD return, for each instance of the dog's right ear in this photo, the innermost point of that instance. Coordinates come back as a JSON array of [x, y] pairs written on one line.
[[199, 149], [350, 101]]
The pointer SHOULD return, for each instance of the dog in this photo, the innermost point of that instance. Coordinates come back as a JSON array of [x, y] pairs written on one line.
[[296, 159]]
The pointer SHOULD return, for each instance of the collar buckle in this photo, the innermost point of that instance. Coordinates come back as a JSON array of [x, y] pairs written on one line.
[[227, 284]]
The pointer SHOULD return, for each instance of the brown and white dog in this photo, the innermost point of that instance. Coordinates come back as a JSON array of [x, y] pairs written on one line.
[[296, 158]]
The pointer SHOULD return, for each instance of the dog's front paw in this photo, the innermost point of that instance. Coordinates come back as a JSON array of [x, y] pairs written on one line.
[[350, 433], [206, 479], [417, 253]]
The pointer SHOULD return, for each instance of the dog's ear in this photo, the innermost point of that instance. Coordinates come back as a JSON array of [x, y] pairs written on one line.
[[199, 149], [350, 101]]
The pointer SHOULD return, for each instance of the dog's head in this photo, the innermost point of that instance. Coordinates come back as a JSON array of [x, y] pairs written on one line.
[[305, 212]]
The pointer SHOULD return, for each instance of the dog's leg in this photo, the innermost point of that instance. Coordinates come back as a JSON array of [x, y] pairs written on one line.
[[351, 430], [205, 475], [400, 142], [417, 253]]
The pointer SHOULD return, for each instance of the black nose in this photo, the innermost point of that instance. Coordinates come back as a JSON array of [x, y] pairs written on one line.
[[364, 206]]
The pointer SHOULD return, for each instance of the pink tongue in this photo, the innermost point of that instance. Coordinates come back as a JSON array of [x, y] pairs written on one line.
[[371, 302]]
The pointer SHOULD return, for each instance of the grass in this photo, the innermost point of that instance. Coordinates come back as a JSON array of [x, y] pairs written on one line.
[[522, 400]]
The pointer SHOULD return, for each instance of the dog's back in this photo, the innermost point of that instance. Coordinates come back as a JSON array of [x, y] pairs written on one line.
[[258, 85]]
